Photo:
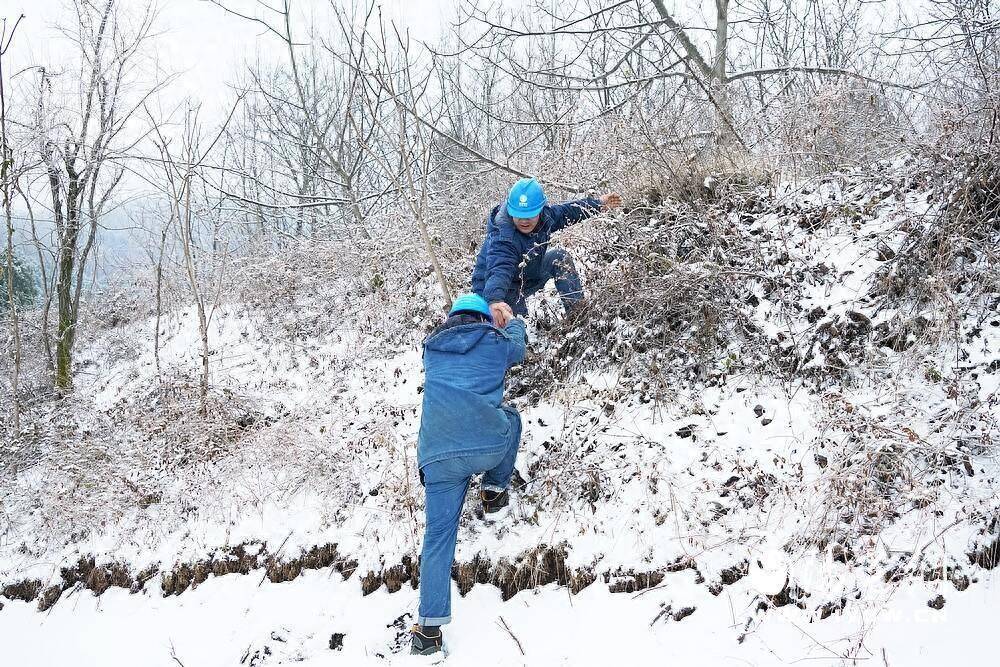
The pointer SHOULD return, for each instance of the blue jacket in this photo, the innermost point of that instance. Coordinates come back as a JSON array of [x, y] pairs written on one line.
[[504, 247], [464, 370]]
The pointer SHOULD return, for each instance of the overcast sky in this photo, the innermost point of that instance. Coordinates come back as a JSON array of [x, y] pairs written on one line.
[[198, 41]]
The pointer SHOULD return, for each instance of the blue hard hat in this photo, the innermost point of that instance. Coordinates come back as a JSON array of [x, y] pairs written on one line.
[[526, 199], [471, 303]]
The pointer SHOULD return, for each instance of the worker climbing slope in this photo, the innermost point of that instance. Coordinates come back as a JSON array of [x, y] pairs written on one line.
[[465, 429], [515, 259]]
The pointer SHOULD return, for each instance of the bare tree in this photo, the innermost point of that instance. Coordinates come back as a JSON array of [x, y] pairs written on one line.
[[79, 146], [623, 58], [956, 44], [46, 256], [397, 147], [8, 179], [312, 145], [325, 131], [205, 277], [157, 248], [392, 80]]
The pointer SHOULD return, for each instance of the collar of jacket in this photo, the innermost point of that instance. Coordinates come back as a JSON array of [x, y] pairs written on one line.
[[461, 338]]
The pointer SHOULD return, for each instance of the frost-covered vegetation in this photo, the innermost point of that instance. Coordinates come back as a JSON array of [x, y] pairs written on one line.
[[778, 408]]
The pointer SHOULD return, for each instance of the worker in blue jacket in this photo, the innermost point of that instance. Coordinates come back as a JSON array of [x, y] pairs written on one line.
[[515, 260], [465, 429]]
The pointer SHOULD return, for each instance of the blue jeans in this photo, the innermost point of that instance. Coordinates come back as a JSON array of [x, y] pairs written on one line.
[[556, 264], [445, 484]]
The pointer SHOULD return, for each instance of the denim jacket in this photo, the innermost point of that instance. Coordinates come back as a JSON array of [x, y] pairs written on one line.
[[464, 371]]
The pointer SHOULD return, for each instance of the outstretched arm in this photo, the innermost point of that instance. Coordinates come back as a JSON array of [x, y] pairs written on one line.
[[572, 212]]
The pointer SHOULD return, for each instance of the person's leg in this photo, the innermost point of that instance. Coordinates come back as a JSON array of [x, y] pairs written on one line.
[[446, 483], [557, 264], [498, 478]]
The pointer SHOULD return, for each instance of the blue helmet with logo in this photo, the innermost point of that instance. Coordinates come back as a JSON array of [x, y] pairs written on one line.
[[526, 199], [471, 303]]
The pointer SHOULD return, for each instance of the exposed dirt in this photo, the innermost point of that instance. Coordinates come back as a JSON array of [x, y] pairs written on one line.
[[535, 567], [987, 556], [244, 558], [830, 608], [667, 612], [26, 590], [790, 594], [631, 581], [393, 577], [730, 576]]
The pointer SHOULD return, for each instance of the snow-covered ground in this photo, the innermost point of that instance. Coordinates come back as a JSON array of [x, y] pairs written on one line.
[[751, 521], [234, 620]]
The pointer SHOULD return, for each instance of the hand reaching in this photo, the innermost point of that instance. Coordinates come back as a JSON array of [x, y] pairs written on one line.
[[502, 314], [610, 200]]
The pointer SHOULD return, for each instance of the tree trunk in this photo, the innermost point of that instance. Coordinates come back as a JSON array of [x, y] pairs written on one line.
[[420, 210], [712, 78], [722, 107], [721, 40], [15, 329], [7, 178], [66, 262], [199, 300], [203, 328], [46, 283], [159, 300], [425, 235]]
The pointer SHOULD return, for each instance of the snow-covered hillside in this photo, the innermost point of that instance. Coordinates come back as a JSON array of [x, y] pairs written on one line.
[[766, 462]]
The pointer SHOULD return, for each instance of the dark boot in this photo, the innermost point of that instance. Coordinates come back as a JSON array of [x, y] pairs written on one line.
[[494, 501], [426, 639]]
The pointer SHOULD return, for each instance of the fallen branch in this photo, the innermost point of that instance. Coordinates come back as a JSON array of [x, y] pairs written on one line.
[[511, 633], [173, 655], [280, 546]]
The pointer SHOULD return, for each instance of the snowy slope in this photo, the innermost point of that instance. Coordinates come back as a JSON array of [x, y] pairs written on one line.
[[746, 519]]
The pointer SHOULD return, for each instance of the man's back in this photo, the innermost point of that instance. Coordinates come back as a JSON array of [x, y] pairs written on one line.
[[464, 366], [465, 430]]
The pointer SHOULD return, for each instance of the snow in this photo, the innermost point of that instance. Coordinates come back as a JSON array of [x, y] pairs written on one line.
[[717, 476], [233, 620]]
